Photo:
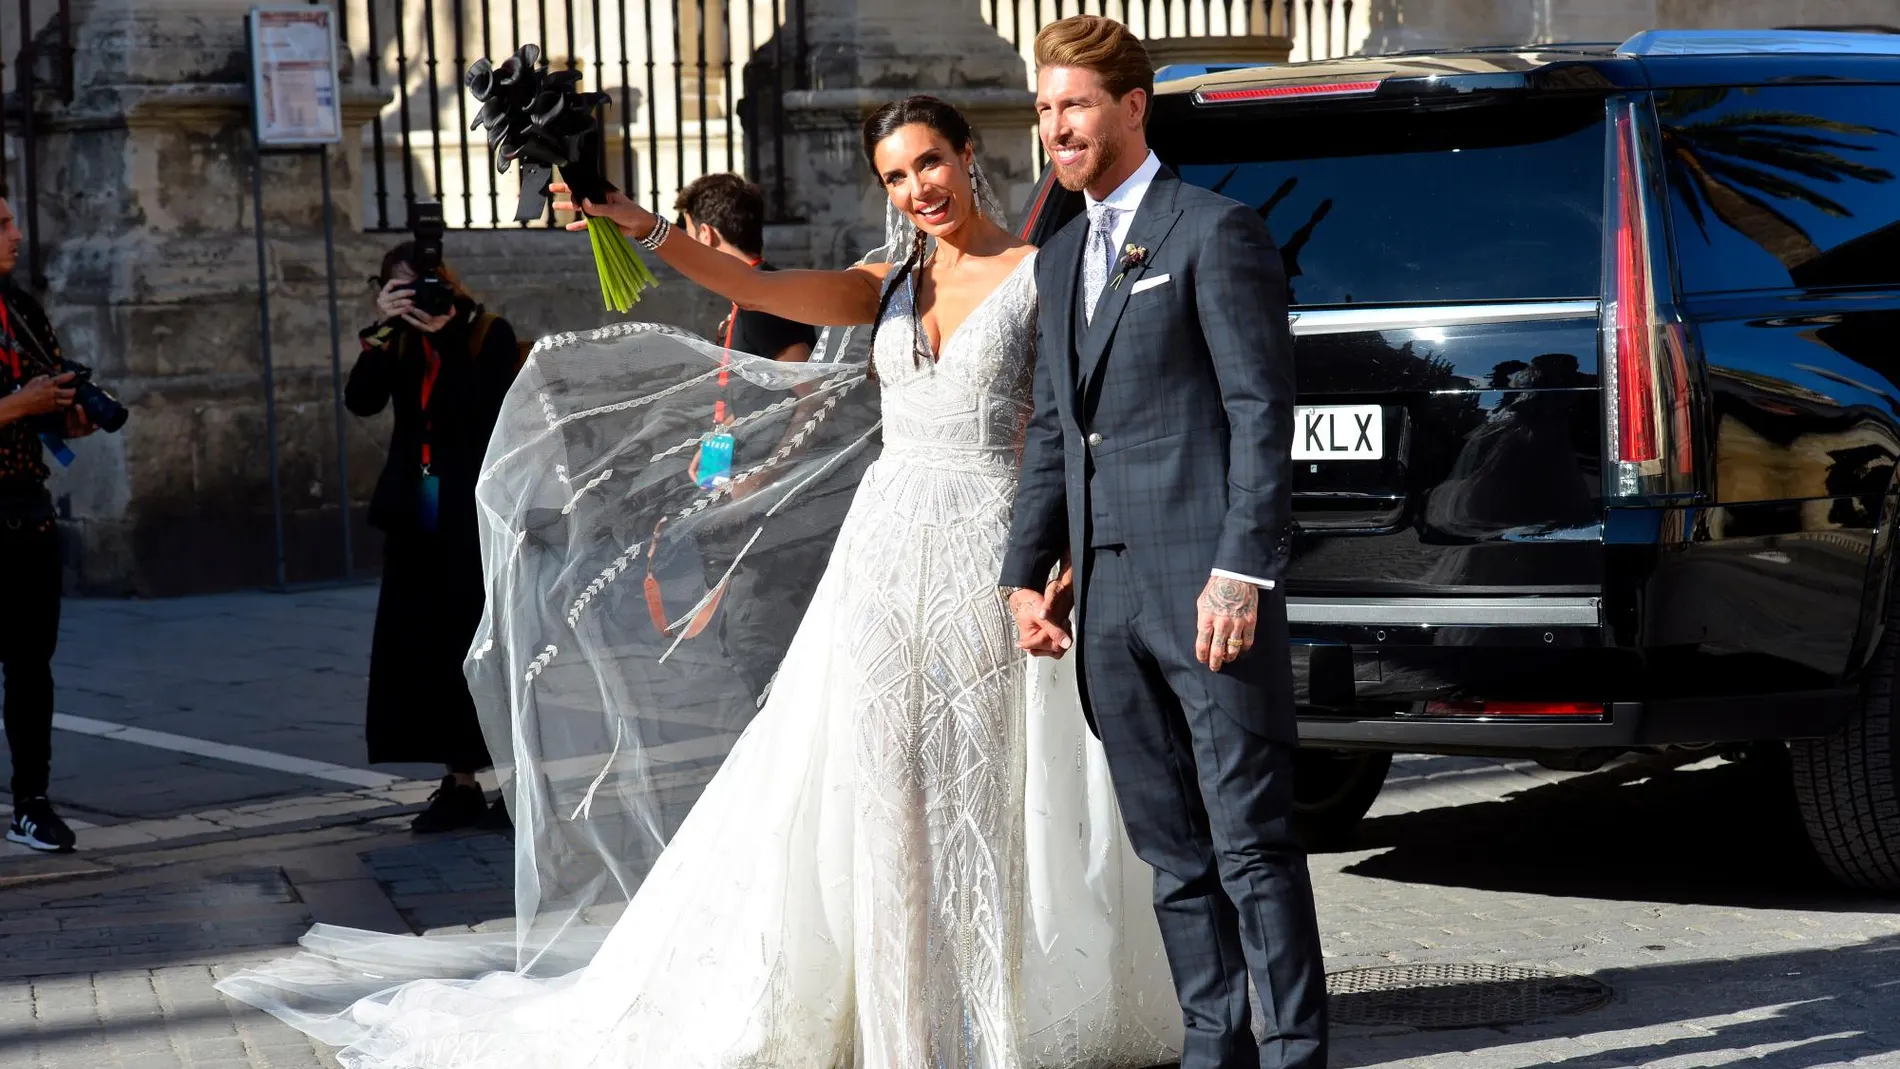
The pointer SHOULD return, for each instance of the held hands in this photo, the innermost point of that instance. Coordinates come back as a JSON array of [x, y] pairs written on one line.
[[634, 221], [1228, 611], [396, 301], [1042, 619]]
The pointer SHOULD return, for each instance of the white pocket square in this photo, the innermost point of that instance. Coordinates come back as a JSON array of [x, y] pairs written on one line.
[[1149, 283]]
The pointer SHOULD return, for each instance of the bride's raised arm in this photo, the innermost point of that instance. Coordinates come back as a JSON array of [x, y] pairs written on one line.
[[819, 298]]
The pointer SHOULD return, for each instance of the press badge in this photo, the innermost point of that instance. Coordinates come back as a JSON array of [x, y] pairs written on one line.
[[428, 502], [715, 460]]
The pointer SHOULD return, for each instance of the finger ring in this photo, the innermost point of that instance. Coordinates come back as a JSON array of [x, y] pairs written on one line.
[[1234, 644]]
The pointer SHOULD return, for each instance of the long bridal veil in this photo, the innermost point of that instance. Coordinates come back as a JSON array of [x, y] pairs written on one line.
[[635, 621]]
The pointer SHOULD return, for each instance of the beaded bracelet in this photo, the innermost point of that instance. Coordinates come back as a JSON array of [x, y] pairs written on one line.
[[657, 236]]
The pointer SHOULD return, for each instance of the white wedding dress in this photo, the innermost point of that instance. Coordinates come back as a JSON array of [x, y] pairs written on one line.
[[911, 859]]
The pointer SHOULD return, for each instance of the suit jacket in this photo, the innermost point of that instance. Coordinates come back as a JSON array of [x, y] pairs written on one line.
[[1175, 404]]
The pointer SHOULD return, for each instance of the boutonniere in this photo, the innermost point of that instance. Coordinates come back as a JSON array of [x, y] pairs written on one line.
[[1133, 256]]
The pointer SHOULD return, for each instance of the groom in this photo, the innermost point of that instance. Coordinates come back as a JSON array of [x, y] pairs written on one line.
[[1158, 458]]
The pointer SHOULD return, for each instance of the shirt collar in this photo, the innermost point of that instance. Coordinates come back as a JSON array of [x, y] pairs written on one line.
[[1127, 196]]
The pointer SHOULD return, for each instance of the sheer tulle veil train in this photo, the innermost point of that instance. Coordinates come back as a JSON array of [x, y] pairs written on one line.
[[624, 665]]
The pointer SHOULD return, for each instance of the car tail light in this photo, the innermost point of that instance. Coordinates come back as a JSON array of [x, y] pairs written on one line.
[[1284, 92], [1630, 318], [1646, 349], [1521, 709]]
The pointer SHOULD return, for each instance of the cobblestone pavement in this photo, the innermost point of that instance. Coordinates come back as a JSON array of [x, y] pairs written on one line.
[[1682, 884]]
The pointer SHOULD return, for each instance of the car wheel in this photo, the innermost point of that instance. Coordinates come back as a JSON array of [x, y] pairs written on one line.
[[1846, 782], [1332, 789]]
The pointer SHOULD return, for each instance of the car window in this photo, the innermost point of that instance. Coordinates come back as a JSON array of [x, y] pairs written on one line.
[[1501, 201], [1783, 186]]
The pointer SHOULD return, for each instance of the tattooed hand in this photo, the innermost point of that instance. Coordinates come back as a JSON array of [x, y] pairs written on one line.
[[1228, 609]]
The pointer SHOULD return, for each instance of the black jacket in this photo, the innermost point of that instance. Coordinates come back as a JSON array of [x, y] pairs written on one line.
[[462, 410], [23, 470]]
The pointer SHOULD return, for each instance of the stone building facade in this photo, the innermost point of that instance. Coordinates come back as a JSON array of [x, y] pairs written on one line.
[[149, 255]]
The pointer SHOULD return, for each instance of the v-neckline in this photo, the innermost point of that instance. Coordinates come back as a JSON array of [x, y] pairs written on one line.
[[917, 316]]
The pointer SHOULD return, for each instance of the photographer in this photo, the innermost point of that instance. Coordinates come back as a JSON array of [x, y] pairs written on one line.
[[726, 213], [36, 399], [445, 364]]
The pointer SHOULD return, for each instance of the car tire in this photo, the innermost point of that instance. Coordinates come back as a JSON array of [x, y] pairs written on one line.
[[1848, 783], [1332, 789]]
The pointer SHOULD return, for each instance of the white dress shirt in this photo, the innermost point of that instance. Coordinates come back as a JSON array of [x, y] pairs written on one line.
[[1126, 199]]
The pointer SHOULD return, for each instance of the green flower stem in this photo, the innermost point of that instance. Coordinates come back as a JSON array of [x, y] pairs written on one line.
[[623, 276]]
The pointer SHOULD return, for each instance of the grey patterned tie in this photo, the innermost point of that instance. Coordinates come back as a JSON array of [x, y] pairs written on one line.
[[1095, 259]]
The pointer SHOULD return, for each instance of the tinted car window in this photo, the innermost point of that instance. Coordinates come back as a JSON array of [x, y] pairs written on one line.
[[1495, 202], [1783, 186]]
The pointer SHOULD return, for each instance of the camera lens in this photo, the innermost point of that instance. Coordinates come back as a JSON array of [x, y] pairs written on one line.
[[103, 409]]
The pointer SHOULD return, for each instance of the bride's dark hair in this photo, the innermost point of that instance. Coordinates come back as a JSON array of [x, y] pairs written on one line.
[[940, 117]]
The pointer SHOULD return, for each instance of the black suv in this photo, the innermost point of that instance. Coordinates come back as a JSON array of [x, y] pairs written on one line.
[[1599, 363]]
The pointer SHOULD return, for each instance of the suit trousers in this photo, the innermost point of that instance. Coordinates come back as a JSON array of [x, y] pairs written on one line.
[[1209, 804]]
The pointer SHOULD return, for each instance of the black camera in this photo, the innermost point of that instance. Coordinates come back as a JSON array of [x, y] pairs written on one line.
[[99, 404], [433, 295]]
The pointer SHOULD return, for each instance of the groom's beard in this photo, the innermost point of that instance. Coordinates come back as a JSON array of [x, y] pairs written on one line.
[[1098, 155]]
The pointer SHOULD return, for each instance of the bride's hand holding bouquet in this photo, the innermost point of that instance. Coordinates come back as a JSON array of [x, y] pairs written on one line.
[[619, 209]]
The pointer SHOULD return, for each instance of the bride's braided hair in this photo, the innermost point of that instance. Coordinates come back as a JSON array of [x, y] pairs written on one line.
[[940, 117]]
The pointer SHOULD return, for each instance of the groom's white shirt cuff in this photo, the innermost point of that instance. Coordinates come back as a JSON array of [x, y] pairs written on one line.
[[1264, 584]]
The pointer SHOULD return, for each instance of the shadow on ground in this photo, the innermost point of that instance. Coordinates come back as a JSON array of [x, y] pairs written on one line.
[[1800, 1010], [1641, 830]]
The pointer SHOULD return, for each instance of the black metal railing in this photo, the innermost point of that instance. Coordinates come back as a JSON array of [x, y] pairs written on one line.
[[36, 58], [1018, 20], [669, 67], [1317, 29]]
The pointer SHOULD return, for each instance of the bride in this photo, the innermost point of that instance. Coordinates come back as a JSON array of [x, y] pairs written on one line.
[[910, 857]]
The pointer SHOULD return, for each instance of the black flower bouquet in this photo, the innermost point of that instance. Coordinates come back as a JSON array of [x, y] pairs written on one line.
[[543, 119]]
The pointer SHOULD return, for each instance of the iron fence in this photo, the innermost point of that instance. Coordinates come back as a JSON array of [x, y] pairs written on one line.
[[669, 67]]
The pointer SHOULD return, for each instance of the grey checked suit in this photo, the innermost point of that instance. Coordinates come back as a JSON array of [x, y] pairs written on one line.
[[1159, 451]]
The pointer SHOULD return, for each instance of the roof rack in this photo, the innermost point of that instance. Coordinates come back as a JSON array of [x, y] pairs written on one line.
[[1741, 42]]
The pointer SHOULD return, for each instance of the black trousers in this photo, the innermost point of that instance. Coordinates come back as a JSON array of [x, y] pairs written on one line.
[[1209, 805], [29, 632]]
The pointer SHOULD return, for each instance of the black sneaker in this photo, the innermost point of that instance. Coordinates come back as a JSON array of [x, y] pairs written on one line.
[[497, 818], [36, 825], [452, 806]]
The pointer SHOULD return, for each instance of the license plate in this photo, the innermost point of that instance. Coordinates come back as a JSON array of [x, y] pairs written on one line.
[[1338, 432]]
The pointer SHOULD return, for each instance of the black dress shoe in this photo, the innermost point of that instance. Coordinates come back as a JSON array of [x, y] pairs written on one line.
[[452, 806]]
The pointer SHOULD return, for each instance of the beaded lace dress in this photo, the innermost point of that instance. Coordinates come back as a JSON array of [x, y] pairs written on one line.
[[911, 857]]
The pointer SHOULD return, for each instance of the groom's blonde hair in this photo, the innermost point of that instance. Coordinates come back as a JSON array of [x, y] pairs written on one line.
[[1099, 44]]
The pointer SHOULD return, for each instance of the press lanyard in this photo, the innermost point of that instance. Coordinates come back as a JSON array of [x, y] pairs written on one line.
[[13, 344], [432, 368], [725, 356]]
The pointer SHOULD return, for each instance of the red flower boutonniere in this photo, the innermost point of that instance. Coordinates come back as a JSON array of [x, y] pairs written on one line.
[[1133, 256]]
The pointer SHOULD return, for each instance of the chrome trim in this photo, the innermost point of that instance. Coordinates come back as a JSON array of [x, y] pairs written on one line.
[[1355, 320], [1447, 612]]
